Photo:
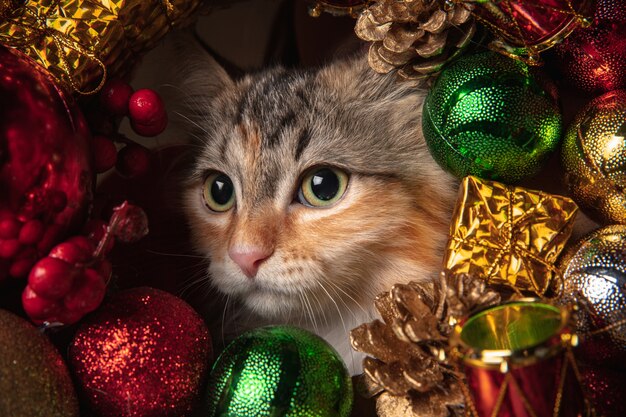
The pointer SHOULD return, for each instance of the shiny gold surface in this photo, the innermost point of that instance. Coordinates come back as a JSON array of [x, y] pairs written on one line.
[[82, 41], [508, 235]]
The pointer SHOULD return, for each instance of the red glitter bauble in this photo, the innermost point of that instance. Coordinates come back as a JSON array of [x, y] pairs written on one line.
[[605, 389], [45, 172], [143, 353], [594, 59]]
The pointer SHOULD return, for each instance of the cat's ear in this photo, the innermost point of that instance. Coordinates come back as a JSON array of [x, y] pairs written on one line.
[[199, 71]]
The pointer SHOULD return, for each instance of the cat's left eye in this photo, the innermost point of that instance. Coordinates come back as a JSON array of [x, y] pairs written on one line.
[[218, 192], [322, 187]]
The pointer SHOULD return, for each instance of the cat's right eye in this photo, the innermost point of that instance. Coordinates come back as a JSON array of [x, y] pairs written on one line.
[[218, 192]]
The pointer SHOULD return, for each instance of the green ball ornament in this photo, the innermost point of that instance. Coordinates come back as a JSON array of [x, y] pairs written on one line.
[[279, 371], [489, 116]]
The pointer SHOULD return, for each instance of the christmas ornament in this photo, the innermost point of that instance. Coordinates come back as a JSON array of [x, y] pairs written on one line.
[[416, 36], [71, 281], [143, 353], [409, 369], [518, 361], [115, 96], [489, 116], [594, 59], [279, 370], [34, 380], [337, 7], [524, 28], [594, 274], [45, 174], [147, 112], [605, 389], [594, 157], [81, 42], [508, 236]]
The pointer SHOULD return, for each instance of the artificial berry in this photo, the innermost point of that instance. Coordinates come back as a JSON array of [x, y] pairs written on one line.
[[38, 307], [9, 248], [115, 96], [88, 295], [145, 107], [9, 228], [133, 161], [149, 130], [31, 232], [105, 154], [52, 278], [76, 250]]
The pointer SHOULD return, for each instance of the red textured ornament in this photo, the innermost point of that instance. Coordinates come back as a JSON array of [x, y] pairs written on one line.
[[526, 27], [605, 389], [115, 95], [143, 353], [133, 161], [594, 59], [45, 172]]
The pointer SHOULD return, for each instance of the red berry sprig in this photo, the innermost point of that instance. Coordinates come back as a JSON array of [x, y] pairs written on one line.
[[71, 281], [147, 112]]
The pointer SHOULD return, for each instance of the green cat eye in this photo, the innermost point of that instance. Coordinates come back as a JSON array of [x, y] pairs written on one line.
[[218, 192], [322, 187]]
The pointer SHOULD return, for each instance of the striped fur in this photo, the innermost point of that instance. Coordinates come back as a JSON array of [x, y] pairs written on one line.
[[328, 264]]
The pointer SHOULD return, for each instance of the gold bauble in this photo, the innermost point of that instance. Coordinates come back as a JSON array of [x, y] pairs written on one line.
[[594, 157], [34, 381]]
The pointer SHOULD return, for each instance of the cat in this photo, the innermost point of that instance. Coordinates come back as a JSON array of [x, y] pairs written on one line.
[[312, 191]]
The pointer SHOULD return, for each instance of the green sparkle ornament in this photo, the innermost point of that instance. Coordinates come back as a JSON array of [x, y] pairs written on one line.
[[279, 371], [490, 116]]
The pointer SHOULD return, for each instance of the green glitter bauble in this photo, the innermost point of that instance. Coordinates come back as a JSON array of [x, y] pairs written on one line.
[[279, 371], [487, 115]]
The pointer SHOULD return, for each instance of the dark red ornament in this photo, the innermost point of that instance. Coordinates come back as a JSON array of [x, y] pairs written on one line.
[[594, 59], [147, 112], [133, 161], [605, 389], [524, 28], [143, 353], [45, 173], [115, 95], [105, 154]]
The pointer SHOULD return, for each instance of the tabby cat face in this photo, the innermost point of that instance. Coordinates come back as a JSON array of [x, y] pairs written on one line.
[[312, 191]]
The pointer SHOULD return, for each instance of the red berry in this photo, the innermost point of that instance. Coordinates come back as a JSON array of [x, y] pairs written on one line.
[[76, 250], [31, 232], [150, 130], [133, 161], [87, 296], [52, 278], [115, 96], [23, 263], [9, 228], [146, 107], [105, 153], [9, 248], [69, 317], [38, 307]]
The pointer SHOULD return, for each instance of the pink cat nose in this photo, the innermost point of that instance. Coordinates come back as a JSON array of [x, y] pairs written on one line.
[[249, 259]]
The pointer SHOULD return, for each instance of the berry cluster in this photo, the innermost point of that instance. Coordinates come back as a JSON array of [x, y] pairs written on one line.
[[71, 281], [147, 118]]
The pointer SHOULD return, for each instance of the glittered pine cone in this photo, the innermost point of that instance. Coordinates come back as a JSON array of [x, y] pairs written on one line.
[[415, 36], [409, 369]]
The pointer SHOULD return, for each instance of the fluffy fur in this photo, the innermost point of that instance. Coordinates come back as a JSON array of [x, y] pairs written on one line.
[[327, 264]]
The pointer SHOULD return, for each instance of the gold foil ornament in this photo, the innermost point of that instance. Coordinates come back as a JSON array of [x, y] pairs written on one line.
[[508, 235], [594, 157], [81, 42]]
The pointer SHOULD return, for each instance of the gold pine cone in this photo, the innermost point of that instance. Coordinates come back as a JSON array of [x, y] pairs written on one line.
[[415, 36], [409, 367]]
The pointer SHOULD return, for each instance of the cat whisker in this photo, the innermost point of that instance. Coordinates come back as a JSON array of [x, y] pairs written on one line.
[[338, 287], [310, 312], [224, 320], [181, 255]]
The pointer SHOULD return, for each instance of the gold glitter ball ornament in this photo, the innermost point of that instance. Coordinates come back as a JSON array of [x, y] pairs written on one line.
[[418, 37], [594, 157], [34, 381]]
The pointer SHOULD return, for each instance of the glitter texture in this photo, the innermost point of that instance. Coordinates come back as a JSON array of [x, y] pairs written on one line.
[[279, 371], [143, 353], [34, 381], [595, 276], [488, 116], [594, 157]]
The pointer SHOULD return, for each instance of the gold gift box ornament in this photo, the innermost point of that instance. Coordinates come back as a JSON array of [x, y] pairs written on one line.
[[508, 236], [81, 42]]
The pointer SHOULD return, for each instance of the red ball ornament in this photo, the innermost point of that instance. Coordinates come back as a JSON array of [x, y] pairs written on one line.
[[133, 161], [143, 353], [45, 172], [147, 112], [115, 95], [594, 59], [105, 154]]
